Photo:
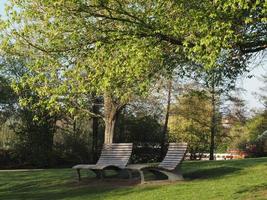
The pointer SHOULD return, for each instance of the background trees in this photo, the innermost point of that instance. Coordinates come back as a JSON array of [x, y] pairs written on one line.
[[190, 121]]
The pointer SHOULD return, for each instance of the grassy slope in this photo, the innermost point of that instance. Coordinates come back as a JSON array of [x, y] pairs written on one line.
[[242, 179]]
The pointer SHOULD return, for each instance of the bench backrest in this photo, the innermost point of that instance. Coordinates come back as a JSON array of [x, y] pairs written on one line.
[[115, 154], [174, 156]]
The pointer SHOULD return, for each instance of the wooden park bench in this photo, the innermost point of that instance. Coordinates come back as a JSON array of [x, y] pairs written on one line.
[[113, 156], [170, 166]]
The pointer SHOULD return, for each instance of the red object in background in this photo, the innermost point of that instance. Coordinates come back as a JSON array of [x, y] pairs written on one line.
[[236, 154]]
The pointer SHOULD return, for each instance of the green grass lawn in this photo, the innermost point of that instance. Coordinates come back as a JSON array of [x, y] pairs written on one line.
[[240, 179]]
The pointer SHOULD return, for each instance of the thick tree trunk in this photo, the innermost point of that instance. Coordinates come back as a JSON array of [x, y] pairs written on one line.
[[110, 115], [213, 124], [165, 127]]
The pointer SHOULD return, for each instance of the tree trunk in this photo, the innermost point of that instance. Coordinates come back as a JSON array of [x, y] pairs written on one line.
[[165, 127], [213, 123], [95, 125], [111, 110]]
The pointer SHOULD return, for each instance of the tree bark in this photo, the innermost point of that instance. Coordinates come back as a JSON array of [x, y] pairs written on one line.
[[111, 110], [213, 123], [95, 126], [165, 127]]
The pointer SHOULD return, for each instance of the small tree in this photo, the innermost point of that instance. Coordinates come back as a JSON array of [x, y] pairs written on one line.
[[190, 121]]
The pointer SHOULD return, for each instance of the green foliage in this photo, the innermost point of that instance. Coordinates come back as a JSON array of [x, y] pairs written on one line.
[[73, 141], [35, 138], [239, 137], [190, 121], [74, 50], [246, 132], [118, 46], [244, 135], [140, 129], [7, 98], [257, 125], [79, 62], [7, 135], [31, 128], [144, 131]]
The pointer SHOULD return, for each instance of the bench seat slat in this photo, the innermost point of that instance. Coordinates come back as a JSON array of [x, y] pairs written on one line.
[[115, 154], [174, 156]]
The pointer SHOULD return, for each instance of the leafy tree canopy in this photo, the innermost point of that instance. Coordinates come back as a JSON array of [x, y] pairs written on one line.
[[119, 47]]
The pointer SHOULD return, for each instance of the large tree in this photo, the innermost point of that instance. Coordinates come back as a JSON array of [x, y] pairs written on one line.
[[117, 48]]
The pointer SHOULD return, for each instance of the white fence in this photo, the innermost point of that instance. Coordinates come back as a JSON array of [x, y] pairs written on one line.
[[217, 156]]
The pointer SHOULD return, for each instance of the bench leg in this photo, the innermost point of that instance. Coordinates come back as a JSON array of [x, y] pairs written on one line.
[[142, 177], [173, 175]]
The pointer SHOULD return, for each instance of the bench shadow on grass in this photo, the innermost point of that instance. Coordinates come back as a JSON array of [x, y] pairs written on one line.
[[211, 173], [89, 188], [101, 191]]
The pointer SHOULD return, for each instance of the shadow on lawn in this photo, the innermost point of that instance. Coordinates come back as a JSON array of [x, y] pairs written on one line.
[[253, 189], [59, 184], [211, 173], [40, 188], [45, 187], [253, 192], [60, 192]]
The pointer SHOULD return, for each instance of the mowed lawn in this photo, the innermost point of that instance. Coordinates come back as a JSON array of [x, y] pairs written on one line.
[[239, 179]]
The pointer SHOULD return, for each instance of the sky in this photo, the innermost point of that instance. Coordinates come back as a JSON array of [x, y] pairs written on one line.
[[251, 85], [2, 2]]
